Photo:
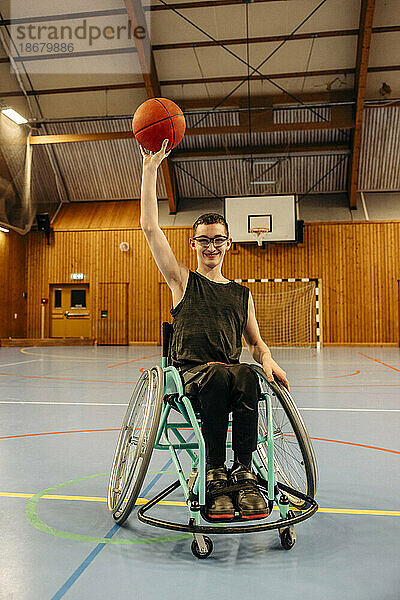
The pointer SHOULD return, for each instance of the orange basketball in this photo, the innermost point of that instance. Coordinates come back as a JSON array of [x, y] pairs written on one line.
[[158, 119]]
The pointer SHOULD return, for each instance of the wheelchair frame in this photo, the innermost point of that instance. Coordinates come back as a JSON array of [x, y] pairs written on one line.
[[194, 489]]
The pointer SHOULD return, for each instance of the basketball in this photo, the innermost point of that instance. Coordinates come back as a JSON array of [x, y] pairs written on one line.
[[158, 119]]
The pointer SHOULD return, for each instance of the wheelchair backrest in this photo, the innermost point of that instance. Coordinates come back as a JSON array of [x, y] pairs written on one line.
[[166, 338]]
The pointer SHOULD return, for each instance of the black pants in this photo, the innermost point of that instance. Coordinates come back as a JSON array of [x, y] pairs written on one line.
[[215, 390]]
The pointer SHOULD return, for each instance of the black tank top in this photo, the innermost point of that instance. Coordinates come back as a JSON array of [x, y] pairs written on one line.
[[208, 323]]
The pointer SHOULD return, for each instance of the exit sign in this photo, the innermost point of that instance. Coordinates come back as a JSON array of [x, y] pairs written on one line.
[[76, 275]]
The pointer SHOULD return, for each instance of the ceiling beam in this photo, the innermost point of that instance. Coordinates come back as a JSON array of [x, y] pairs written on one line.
[[270, 100], [204, 4], [262, 151], [364, 41], [181, 82], [256, 40], [149, 71], [265, 127], [272, 38], [76, 90], [79, 137], [383, 69], [236, 78], [143, 47]]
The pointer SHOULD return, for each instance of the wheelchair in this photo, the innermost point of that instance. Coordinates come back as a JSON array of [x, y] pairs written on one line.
[[283, 462]]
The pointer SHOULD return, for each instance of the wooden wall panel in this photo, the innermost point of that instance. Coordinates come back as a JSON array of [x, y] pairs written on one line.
[[12, 277], [98, 215], [358, 265], [113, 298]]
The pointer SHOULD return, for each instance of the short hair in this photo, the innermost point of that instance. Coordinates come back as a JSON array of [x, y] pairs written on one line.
[[209, 219]]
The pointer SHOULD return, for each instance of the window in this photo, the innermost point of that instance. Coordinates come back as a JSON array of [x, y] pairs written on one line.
[[57, 298], [78, 298]]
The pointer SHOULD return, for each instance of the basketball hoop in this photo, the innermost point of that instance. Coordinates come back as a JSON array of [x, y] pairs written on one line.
[[260, 234]]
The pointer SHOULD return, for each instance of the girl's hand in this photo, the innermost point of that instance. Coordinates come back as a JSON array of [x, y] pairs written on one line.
[[154, 159]]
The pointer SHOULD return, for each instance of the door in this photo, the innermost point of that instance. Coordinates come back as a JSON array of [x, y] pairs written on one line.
[[112, 319], [70, 314]]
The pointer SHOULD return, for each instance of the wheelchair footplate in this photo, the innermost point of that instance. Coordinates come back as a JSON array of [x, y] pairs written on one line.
[[262, 487], [289, 516]]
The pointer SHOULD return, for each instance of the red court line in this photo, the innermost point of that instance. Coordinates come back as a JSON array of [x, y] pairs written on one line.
[[132, 361], [9, 437], [190, 429], [320, 385], [334, 376], [110, 381], [354, 444], [380, 362], [65, 378]]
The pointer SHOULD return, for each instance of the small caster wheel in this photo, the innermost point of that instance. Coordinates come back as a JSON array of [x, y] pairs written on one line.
[[288, 538], [196, 550]]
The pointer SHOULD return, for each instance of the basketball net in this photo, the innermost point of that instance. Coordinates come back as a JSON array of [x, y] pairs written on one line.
[[260, 233]]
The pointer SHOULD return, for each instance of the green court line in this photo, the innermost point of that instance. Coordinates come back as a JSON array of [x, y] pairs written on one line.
[[34, 519]]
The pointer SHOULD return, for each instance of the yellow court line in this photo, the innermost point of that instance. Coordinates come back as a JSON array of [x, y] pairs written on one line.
[[64, 356], [360, 511], [82, 498], [343, 511]]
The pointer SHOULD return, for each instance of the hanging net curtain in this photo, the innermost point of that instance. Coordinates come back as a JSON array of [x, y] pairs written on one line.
[[16, 203], [28, 180]]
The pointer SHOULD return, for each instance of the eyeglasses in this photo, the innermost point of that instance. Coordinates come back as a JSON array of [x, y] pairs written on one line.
[[205, 241]]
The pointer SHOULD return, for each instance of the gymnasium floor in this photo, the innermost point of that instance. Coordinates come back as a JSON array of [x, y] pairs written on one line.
[[60, 411]]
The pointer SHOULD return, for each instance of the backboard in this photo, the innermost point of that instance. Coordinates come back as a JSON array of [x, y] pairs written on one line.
[[277, 213]]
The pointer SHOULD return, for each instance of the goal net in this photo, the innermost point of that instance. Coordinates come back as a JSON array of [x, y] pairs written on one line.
[[287, 311]]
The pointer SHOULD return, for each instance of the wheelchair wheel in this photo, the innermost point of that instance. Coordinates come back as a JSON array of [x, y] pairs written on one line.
[[295, 464], [288, 534], [196, 549], [135, 443]]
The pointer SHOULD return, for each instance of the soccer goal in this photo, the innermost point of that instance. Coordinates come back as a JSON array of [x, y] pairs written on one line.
[[287, 310]]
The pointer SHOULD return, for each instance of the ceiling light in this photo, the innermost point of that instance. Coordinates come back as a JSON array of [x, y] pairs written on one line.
[[261, 182], [267, 161], [14, 116], [4, 229]]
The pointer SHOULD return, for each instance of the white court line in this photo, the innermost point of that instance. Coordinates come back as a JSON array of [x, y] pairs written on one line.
[[65, 403], [355, 409], [21, 362], [126, 404]]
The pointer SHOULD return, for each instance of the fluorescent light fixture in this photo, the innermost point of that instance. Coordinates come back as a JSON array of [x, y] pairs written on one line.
[[14, 116], [267, 161], [261, 182], [4, 229]]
